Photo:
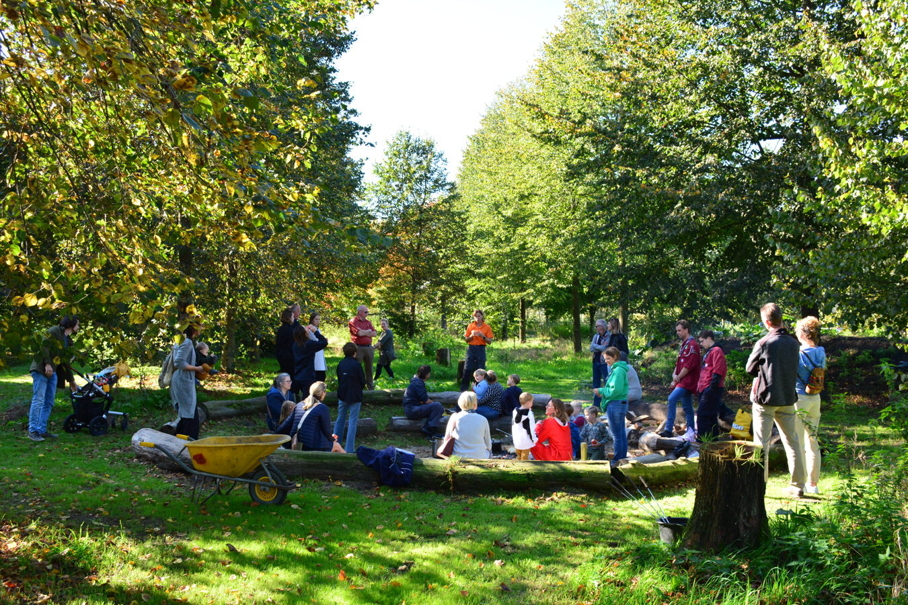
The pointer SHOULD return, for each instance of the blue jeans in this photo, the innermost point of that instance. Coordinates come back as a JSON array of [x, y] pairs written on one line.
[[487, 412], [43, 391], [432, 412], [343, 410], [616, 411], [686, 398], [600, 375]]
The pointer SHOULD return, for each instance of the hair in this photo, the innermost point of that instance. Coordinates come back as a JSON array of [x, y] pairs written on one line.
[[623, 356], [683, 323], [279, 379], [613, 352], [317, 392], [68, 321], [601, 322], [809, 328], [313, 315], [560, 410], [480, 372], [467, 400], [707, 334], [294, 307], [772, 314], [569, 408], [594, 410], [481, 312], [491, 376], [384, 320], [191, 331], [614, 320], [286, 410], [524, 397], [514, 378], [287, 316], [424, 371], [349, 349], [300, 335], [202, 345]]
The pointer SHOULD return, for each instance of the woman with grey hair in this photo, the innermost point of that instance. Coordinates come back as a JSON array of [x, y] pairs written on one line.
[[472, 438], [277, 395]]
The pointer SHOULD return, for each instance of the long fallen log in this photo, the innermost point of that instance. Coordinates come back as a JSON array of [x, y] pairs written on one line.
[[659, 411], [400, 424]]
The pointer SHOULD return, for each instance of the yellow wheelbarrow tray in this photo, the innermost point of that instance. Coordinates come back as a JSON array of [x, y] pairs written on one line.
[[235, 460]]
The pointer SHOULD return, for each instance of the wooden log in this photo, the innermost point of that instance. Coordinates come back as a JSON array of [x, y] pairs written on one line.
[[652, 442], [729, 509], [158, 458], [400, 424], [365, 427], [659, 473], [659, 411]]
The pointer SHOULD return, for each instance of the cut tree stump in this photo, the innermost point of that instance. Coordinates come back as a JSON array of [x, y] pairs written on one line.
[[729, 509]]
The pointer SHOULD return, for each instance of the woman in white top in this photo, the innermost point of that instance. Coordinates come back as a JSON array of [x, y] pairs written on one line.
[[472, 438], [321, 369]]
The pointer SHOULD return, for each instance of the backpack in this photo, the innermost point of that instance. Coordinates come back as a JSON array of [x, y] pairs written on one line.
[[167, 368], [817, 379]]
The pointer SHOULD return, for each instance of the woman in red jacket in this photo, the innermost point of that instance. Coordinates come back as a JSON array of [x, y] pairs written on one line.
[[553, 434]]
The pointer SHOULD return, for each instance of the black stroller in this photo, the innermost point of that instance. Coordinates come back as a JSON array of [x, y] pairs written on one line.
[[91, 403]]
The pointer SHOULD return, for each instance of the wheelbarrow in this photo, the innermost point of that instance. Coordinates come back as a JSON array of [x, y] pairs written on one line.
[[234, 460]]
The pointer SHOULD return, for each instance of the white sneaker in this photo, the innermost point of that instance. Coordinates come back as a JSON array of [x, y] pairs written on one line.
[[811, 489], [690, 435]]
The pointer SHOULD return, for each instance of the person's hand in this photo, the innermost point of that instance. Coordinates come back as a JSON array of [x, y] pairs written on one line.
[[333, 436], [48, 370]]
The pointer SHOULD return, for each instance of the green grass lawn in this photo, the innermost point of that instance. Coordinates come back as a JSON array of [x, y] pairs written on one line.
[[84, 522]]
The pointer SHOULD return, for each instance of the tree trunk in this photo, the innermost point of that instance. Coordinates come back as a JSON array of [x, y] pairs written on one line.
[[523, 320], [412, 323], [575, 311], [622, 317], [228, 362], [504, 322], [592, 313], [810, 309], [729, 510]]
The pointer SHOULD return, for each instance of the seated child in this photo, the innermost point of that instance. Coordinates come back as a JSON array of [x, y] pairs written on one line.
[[523, 429], [576, 414], [595, 434], [510, 401], [481, 386]]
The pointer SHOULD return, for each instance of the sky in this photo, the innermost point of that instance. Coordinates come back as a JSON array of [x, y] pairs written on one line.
[[432, 67]]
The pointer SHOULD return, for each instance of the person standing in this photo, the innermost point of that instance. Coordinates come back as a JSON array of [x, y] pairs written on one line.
[[615, 395], [361, 333], [304, 350], [283, 342], [812, 358], [774, 365], [418, 405], [321, 368], [478, 336], [616, 337], [350, 382], [386, 347], [182, 385], [600, 368], [710, 386], [684, 382], [46, 376]]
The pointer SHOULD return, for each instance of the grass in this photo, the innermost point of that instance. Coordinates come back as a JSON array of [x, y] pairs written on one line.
[[84, 522]]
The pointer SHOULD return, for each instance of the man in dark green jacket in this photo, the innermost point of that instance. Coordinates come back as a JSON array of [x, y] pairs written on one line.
[[50, 366]]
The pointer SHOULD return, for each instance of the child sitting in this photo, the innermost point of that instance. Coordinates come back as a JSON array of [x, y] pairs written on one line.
[[523, 429], [595, 434], [575, 430], [481, 386], [576, 414], [511, 399]]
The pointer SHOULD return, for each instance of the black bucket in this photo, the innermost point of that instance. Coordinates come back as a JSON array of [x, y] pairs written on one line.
[[671, 528]]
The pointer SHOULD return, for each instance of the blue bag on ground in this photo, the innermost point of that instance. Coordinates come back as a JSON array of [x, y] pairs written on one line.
[[394, 466]]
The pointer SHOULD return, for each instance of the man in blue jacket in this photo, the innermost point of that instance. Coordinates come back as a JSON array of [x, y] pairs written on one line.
[[418, 405]]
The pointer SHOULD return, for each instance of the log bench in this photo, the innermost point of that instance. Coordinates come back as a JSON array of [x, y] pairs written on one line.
[[400, 424]]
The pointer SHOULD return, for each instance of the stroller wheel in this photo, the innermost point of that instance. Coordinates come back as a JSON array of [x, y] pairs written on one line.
[[124, 423], [98, 426], [71, 424]]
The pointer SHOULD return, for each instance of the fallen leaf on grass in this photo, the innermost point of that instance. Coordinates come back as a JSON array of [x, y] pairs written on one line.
[[499, 562], [505, 587], [465, 593], [231, 548], [342, 576]]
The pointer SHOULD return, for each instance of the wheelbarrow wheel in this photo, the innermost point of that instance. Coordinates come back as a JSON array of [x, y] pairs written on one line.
[[98, 426], [71, 424], [268, 495]]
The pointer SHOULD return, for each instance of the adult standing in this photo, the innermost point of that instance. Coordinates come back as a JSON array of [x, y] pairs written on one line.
[[774, 365], [597, 346], [274, 400], [283, 342], [386, 351], [710, 386], [472, 438], [321, 368], [182, 384], [615, 395], [361, 333], [46, 375], [478, 336], [350, 382], [304, 350], [684, 381], [616, 337], [812, 357], [418, 405]]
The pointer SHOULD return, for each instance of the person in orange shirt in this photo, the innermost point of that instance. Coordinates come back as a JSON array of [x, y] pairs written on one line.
[[478, 336]]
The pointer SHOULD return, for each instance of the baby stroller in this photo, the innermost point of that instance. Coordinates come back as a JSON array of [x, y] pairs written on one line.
[[91, 403]]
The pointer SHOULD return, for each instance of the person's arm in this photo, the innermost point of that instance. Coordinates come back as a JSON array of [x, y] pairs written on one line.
[[487, 337], [181, 358], [487, 434], [755, 360], [597, 348]]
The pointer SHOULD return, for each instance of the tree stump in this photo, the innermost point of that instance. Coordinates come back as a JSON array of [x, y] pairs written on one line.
[[729, 509], [443, 357]]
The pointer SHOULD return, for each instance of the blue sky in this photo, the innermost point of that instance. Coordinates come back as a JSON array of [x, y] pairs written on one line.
[[433, 66]]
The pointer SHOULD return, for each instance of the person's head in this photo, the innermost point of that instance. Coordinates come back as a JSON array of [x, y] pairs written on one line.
[[771, 315], [286, 410], [513, 380], [287, 316], [479, 316], [479, 375], [362, 311], [491, 376], [301, 334], [526, 400], [592, 414], [424, 371], [384, 323], [601, 326], [202, 348], [192, 331], [557, 409], [569, 409], [295, 311], [282, 381], [315, 319], [70, 324], [614, 326], [622, 356], [467, 401], [317, 393], [808, 329], [349, 349], [682, 329], [612, 354], [706, 338]]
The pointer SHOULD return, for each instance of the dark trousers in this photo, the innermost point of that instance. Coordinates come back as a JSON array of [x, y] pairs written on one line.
[[432, 412], [189, 426], [476, 359], [300, 388], [600, 375], [378, 369], [710, 403]]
